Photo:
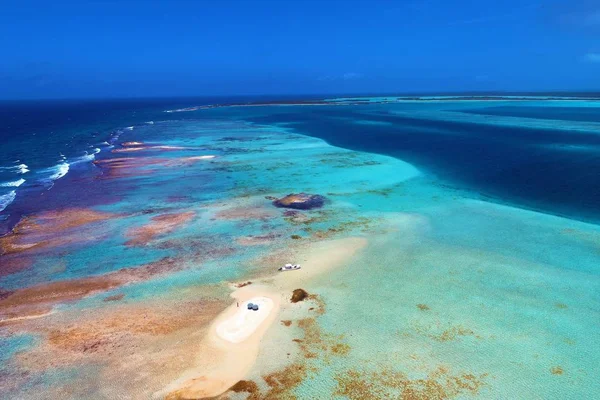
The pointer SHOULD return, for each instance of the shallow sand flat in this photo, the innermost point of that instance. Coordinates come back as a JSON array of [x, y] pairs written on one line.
[[230, 349], [317, 259], [508, 288]]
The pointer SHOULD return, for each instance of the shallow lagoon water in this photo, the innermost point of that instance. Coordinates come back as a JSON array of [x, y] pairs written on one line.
[[458, 294]]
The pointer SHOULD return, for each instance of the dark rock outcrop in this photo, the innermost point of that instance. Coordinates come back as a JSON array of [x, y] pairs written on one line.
[[299, 295], [300, 201]]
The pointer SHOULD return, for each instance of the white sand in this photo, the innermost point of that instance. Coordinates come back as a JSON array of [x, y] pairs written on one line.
[[241, 325]]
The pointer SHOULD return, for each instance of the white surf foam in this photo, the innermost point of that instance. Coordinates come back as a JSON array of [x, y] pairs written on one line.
[[22, 168], [19, 169], [6, 199], [58, 171], [13, 183], [88, 157]]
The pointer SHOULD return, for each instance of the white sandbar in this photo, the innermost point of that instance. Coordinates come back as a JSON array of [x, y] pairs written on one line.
[[243, 323]]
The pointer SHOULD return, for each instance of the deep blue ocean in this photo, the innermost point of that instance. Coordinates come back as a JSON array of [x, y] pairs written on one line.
[[550, 168]]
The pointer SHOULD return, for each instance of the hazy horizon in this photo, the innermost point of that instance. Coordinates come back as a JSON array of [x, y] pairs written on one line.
[[300, 96]]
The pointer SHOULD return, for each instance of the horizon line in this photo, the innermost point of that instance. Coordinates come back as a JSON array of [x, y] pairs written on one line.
[[317, 95]]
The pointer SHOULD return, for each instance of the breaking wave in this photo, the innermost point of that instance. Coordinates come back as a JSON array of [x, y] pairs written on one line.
[[6, 199], [19, 169], [13, 183], [58, 171]]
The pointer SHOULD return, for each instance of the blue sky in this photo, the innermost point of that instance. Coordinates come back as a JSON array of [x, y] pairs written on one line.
[[130, 48]]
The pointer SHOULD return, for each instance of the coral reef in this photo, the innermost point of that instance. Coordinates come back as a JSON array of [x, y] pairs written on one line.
[[158, 225]]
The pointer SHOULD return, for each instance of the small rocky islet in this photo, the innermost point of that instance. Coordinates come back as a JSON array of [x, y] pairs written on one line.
[[300, 201]]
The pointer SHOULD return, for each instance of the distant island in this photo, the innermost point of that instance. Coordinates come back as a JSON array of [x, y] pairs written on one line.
[[360, 100]]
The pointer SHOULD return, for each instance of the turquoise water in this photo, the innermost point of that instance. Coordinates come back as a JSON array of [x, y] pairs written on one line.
[[482, 255], [509, 295]]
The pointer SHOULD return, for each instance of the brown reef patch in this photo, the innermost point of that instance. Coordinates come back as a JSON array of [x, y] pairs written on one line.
[[446, 333], [116, 297], [557, 370], [361, 224], [281, 383], [158, 225], [97, 334], [124, 167], [198, 250], [437, 385], [286, 322], [423, 307], [249, 387], [340, 349], [50, 229], [11, 264], [142, 346], [453, 333], [245, 213], [315, 344], [259, 240], [40, 299], [307, 218]]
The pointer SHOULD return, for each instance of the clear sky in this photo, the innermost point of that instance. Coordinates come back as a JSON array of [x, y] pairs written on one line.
[[132, 48]]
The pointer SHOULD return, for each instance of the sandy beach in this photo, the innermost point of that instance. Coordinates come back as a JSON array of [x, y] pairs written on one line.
[[230, 349]]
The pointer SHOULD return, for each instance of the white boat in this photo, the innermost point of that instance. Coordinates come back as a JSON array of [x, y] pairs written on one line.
[[289, 267]]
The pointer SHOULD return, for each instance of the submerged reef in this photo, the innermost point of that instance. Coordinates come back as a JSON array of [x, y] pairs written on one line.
[[300, 201], [38, 234], [37, 300], [386, 384], [159, 225], [49, 229]]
